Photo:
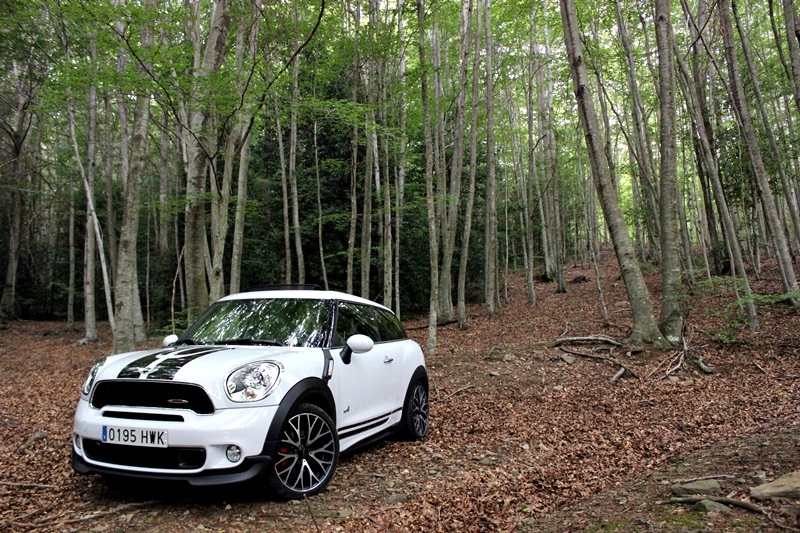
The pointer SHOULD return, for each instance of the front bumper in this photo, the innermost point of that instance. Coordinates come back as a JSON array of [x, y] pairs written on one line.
[[197, 444]]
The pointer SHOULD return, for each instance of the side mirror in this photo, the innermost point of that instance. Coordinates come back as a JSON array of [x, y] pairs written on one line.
[[169, 340], [356, 344]]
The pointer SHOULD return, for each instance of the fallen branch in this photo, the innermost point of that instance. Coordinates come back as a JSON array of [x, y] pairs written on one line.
[[49, 522], [28, 485], [668, 358], [704, 367], [600, 357], [677, 365], [311, 513], [732, 502], [39, 435], [462, 389], [589, 339], [719, 499], [704, 478]]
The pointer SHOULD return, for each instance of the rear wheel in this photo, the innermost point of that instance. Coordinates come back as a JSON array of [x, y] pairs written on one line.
[[306, 455], [415, 412]]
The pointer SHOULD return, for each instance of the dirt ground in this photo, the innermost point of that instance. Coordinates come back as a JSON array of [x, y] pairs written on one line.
[[521, 440]]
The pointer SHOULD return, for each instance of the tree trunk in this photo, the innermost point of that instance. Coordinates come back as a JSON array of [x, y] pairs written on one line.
[[766, 123], [645, 328], [198, 158], [490, 242], [287, 233], [473, 163], [298, 236], [774, 224], [18, 134], [402, 144], [693, 92], [127, 279], [790, 22], [432, 230], [450, 223], [351, 234], [671, 320]]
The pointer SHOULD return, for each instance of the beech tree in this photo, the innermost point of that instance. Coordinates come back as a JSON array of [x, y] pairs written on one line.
[[358, 147], [644, 323]]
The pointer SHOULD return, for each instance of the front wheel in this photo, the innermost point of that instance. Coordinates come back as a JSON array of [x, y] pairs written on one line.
[[414, 424], [306, 455]]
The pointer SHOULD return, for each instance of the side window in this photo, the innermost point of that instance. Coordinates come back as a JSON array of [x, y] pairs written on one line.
[[389, 326], [352, 319]]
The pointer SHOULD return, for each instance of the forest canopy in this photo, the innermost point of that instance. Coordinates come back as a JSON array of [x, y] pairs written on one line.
[[158, 155]]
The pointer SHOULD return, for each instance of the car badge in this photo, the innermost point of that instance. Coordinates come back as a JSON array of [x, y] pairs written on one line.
[[177, 401]]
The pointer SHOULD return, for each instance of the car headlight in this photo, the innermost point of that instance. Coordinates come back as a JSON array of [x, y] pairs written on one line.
[[87, 385], [253, 382]]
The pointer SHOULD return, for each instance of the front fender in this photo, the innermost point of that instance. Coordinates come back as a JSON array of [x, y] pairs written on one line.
[[309, 390]]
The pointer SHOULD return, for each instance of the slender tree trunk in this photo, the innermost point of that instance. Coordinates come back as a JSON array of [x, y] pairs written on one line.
[[671, 320], [18, 134], [473, 163], [766, 124], [366, 214], [72, 259], [320, 239], [774, 224], [790, 21], [351, 234], [127, 279], [641, 150], [402, 144], [287, 233], [450, 223], [208, 60], [298, 236], [645, 328], [694, 94], [531, 177], [432, 229], [490, 242]]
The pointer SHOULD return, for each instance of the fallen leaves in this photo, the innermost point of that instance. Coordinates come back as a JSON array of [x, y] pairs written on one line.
[[518, 437]]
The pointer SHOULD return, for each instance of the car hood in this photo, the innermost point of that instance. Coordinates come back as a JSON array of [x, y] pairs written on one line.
[[205, 365]]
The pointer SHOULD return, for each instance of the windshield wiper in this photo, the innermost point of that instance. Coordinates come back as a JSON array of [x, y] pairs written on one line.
[[250, 342]]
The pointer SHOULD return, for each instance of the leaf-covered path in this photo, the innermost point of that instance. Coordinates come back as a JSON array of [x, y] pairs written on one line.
[[520, 438]]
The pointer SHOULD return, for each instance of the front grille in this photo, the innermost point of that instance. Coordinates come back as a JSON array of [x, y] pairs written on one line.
[[163, 458], [163, 394]]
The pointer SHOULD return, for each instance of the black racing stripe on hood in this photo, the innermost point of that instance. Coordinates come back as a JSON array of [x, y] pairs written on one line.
[[168, 366], [134, 369]]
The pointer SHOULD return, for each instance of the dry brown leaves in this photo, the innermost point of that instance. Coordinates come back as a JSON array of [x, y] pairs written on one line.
[[519, 438]]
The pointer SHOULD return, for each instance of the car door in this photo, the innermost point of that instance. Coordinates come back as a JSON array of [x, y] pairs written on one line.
[[364, 385]]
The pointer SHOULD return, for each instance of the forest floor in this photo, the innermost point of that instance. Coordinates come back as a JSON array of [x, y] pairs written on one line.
[[520, 439]]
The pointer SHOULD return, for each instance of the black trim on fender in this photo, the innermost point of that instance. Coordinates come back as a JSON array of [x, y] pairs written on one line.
[[366, 425], [302, 389]]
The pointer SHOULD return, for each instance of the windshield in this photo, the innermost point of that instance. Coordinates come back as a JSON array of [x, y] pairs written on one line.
[[281, 322]]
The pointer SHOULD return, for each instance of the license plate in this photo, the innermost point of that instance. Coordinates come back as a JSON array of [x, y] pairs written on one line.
[[151, 438]]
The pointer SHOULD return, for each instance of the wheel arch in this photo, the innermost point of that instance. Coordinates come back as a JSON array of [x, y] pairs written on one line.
[[313, 391], [421, 373]]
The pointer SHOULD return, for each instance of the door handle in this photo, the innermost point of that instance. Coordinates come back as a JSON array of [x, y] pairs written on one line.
[[387, 360]]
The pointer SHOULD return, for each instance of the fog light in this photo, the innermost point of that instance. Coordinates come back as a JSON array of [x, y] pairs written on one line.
[[234, 453], [77, 441]]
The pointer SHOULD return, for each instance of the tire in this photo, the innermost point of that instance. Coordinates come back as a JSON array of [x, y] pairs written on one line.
[[414, 424], [306, 455]]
